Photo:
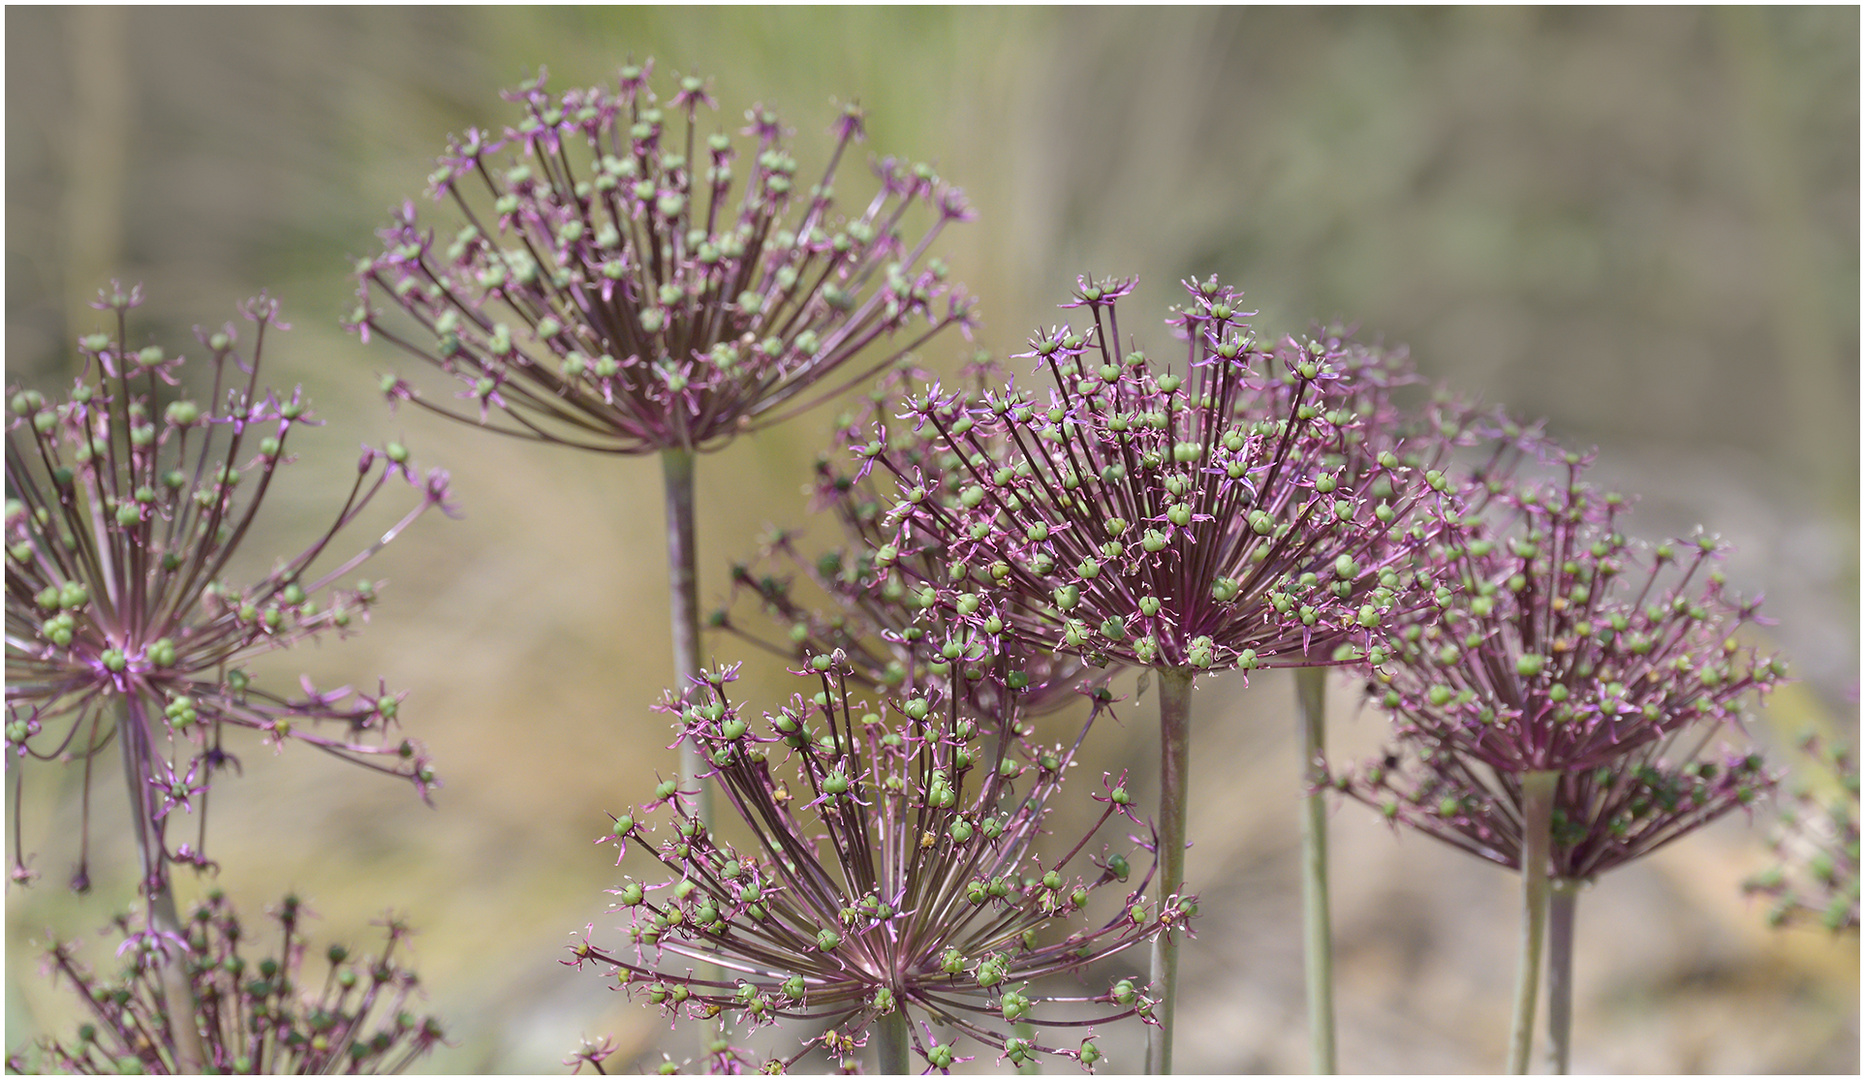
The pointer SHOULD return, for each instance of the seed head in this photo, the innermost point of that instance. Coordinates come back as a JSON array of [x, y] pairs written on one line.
[[1556, 643], [609, 283], [264, 1017], [1817, 841], [121, 622], [1221, 515], [892, 867], [890, 639]]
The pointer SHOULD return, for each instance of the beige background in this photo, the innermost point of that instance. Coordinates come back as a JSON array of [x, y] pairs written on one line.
[[1640, 224]]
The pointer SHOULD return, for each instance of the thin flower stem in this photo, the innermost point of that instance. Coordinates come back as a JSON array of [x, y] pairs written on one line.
[[1175, 715], [178, 997], [1317, 935], [683, 583], [1561, 905], [893, 1044], [1537, 814]]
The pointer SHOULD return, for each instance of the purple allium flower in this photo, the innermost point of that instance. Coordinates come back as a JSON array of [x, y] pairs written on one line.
[[892, 868], [1231, 514], [254, 1015], [1194, 521], [607, 287], [1554, 701], [1556, 644], [122, 517], [1817, 840]]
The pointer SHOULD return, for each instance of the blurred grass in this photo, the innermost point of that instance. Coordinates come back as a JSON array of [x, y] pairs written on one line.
[[1642, 224]]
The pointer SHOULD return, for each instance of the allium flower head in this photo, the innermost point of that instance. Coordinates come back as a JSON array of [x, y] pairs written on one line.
[[876, 623], [1198, 518], [892, 866], [1817, 840], [126, 504], [620, 280], [873, 617], [1557, 644], [255, 1014]]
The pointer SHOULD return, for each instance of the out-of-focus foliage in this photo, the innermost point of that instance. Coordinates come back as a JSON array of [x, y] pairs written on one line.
[[1642, 224]]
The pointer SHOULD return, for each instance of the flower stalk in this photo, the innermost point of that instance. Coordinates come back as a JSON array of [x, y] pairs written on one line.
[[1317, 935], [1537, 820], [1175, 717], [893, 1044], [1563, 899], [683, 584], [161, 917]]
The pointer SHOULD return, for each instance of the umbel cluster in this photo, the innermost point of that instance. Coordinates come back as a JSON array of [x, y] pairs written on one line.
[[874, 873]]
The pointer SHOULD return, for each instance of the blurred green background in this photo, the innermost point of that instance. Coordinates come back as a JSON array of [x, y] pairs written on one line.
[[1640, 224]]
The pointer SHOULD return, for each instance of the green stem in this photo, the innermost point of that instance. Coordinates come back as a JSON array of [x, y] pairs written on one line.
[[1175, 717], [1537, 818], [683, 583], [1566, 895], [1317, 937], [177, 994], [893, 1043]]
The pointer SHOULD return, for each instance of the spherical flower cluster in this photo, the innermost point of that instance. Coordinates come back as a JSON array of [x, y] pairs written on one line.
[[254, 1017], [892, 867], [1555, 644], [1191, 520], [608, 287], [123, 517], [1817, 840]]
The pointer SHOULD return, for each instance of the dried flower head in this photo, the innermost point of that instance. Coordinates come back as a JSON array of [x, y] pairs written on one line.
[[259, 1017], [607, 286], [1817, 840], [1555, 643], [1190, 520], [893, 866], [122, 518]]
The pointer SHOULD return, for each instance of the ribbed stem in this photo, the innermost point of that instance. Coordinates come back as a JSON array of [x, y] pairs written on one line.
[[683, 583], [1175, 721], [893, 1044], [177, 994], [1537, 818], [1564, 898], [1317, 936]]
